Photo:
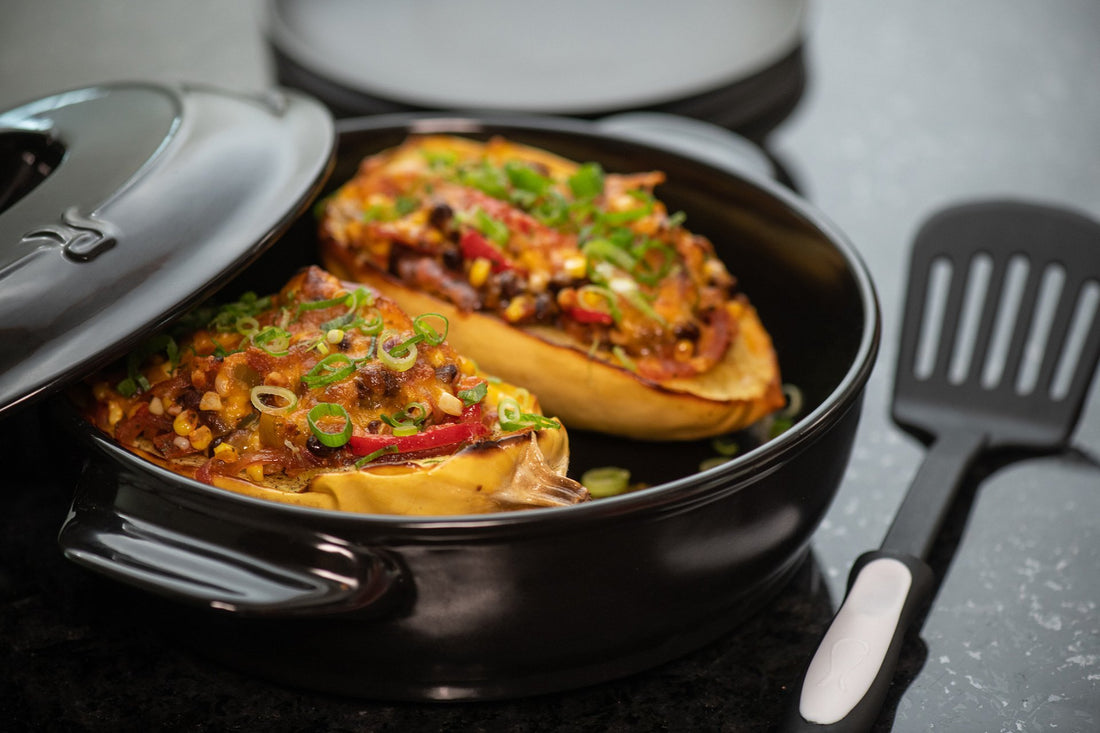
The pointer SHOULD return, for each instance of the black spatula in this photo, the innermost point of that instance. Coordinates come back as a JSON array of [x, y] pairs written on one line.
[[999, 344]]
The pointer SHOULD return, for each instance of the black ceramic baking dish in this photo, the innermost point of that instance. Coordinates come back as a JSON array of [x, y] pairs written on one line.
[[493, 606]]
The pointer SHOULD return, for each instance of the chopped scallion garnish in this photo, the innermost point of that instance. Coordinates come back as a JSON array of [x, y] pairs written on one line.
[[332, 368], [587, 182], [475, 394], [606, 481], [321, 412], [512, 417]]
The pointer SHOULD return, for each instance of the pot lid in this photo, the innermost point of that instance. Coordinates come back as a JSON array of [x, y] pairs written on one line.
[[123, 205], [558, 58]]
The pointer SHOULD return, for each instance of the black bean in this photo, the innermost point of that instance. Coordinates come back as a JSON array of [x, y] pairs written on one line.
[[686, 330], [317, 448], [440, 215], [446, 373]]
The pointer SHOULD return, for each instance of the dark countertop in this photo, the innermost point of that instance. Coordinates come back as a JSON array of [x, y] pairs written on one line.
[[909, 106]]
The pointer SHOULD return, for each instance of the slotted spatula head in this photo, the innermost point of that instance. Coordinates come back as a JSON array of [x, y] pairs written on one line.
[[1001, 331]]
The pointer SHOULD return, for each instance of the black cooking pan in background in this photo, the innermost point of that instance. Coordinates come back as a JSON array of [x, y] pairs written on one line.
[[492, 606]]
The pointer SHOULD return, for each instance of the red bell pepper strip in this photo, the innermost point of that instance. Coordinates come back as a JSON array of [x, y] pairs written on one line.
[[433, 438], [474, 245], [587, 315]]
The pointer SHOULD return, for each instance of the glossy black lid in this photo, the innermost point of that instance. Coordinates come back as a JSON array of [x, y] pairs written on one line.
[[123, 205]]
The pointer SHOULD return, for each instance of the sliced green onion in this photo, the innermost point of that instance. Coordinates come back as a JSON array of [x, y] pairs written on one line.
[[328, 409], [260, 391], [272, 339], [725, 445], [553, 211], [339, 321], [135, 381], [512, 417], [526, 178], [375, 455], [226, 317], [606, 481], [475, 394], [429, 334], [587, 182], [605, 294], [794, 402], [605, 249], [624, 359], [402, 431], [779, 426], [417, 412], [708, 463], [486, 178], [405, 205], [247, 325], [332, 368], [644, 270], [494, 230], [373, 327], [403, 359], [615, 218], [440, 158], [328, 303], [638, 299]]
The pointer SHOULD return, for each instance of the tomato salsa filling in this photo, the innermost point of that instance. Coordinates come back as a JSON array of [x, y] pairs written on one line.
[[541, 241]]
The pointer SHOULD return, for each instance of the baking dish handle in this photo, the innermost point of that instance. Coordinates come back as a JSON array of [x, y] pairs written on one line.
[[320, 574]]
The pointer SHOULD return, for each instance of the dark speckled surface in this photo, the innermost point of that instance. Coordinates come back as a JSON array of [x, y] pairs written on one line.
[[909, 106]]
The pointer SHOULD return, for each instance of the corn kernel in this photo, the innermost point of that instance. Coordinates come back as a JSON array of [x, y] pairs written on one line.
[[538, 280], [255, 472], [226, 452], [517, 308], [576, 266], [156, 406], [210, 401], [200, 438], [479, 272], [101, 391], [114, 413], [683, 350], [185, 423], [449, 404], [466, 365]]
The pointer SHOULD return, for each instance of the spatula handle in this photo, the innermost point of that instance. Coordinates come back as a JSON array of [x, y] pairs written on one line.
[[847, 679]]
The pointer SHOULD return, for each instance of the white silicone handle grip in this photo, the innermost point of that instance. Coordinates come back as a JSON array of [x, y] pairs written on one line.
[[851, 654]]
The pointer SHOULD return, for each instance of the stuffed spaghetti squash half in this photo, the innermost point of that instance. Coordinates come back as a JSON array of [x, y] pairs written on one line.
[[329, 395], [575, 283]]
